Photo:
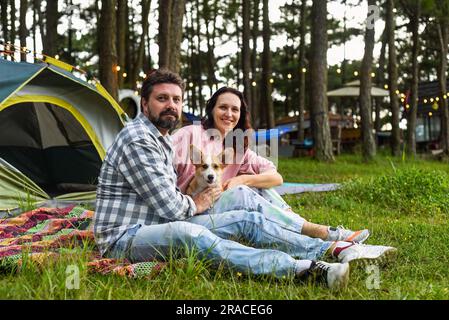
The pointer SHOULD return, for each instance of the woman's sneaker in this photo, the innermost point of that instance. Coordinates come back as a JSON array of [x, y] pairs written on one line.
[[334, 275], [364, 253], [341, 234]]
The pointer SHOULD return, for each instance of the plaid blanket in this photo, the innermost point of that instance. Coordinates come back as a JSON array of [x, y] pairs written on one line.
[[49, 233]]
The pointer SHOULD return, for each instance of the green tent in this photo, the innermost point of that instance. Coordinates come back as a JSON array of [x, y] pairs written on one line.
[[55, 129]]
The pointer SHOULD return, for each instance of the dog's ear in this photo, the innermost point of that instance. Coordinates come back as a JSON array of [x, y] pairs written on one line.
[[195, 155], [226, 157]]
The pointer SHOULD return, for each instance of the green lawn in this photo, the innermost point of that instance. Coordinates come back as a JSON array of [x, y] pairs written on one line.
[[404, 203]]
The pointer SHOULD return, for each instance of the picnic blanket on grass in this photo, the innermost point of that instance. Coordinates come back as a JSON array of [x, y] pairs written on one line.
[[49, 233]]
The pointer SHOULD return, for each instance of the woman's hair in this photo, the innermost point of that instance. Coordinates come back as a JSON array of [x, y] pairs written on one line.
[[244, 122]]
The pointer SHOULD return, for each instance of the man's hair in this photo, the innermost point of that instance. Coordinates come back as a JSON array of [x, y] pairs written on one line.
[[160, 76]]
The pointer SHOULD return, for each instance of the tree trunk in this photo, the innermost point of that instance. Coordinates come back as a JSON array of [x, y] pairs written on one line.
[[107, 48], [138, 63], [121, 40], [368, 143], [199, 64], [380, 79], [13, 19], [190, 36], [318, 83], [50, 41], [267, 104], [4, 18], [411, 119], [443, 35], [246, 57], [176, 28], [393, 80], [302, 75], [255, 107], [210, 47], [164, 32], [23, 31]]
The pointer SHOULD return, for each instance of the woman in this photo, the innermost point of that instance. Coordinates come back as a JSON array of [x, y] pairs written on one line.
[[226, 112]]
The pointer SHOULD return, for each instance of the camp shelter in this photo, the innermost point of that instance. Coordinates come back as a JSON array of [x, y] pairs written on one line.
[[352, 89], [55, 129]]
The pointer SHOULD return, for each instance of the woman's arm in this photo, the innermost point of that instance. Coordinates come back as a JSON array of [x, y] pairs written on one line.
[[266, 179]]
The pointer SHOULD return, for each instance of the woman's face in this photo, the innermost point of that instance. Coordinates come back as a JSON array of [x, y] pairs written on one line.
[[226, 113]]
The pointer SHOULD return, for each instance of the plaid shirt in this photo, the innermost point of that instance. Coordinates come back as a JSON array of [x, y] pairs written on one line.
[[137, 184]]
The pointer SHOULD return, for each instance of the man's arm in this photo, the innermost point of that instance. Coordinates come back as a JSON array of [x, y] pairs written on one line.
[[143, 166]]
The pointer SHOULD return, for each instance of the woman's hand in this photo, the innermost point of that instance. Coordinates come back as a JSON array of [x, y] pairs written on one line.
[[266, 179], [236, 181]]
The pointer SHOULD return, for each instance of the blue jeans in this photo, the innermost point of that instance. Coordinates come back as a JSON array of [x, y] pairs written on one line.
[[272, 249], [266, 201]]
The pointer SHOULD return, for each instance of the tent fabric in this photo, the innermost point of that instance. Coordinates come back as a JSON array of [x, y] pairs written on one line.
[[355, 92], [55, 130], [14, 75]]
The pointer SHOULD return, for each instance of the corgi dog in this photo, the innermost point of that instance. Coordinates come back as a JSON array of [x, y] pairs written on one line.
[[208, 171]]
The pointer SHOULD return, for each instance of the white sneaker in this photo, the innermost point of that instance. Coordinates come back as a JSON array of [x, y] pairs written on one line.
[[341, 234], [335, 275], [364, 253]]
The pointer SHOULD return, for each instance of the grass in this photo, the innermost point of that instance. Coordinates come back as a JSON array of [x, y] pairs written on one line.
[[403, 203]]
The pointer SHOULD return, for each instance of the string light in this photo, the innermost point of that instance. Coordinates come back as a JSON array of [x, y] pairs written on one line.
[[373, 74], [271, 80], [425, 100], [304, 70], [289, 76], [117, 68], [190, 84], [57, 57], [431, 100], [437, 99], [430, 114], [254, 83], [338, 70], [356, 73], [125, 74], [386, 87]]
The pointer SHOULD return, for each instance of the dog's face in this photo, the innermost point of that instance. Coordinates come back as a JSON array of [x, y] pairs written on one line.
[[208, 169]]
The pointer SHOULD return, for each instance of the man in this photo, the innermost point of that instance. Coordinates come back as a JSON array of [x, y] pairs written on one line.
[[141, 215]]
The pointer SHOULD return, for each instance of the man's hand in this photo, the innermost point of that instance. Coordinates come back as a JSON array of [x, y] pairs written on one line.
[[204, 200]]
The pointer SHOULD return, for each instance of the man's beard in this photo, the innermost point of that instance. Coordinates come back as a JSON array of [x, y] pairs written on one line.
[[165, 123]]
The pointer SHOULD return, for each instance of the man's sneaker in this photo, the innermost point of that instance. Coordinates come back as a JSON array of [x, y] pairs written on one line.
[[334, 275], [341, 234], [364, 253]]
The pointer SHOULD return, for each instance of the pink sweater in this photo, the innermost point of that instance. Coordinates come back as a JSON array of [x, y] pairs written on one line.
[[196, 135]]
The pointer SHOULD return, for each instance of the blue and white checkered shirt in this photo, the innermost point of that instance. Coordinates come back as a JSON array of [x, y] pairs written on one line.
[[137, 184]]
